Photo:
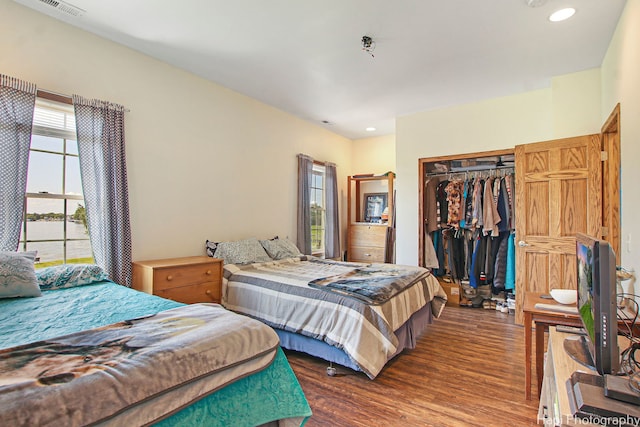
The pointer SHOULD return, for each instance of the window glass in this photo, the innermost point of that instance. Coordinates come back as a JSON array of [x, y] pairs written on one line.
[[317, 210], [73, 184], [55, 221], [47, 143], [44, 173], [45, 220]]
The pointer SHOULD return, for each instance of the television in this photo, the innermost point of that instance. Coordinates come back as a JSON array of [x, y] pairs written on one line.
[[597, 306]]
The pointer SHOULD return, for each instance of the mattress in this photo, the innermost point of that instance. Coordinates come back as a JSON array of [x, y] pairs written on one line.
[[270, 394]]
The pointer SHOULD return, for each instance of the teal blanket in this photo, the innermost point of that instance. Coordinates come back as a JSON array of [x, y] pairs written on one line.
[[271, 394]]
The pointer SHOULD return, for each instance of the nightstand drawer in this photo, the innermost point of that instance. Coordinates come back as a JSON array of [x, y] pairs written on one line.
[[180, 276], [202, 292]]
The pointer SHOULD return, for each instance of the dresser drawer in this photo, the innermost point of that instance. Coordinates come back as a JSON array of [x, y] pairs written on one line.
[[367, 235], [180, 276], [366, 254], [202, 292]]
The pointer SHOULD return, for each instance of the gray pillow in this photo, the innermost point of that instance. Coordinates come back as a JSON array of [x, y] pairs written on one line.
[[246, 251], [18, 275], [280, 248]]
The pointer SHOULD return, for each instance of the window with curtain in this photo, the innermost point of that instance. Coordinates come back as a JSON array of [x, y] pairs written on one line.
[[54, 221], [318, 228], [318, 209]]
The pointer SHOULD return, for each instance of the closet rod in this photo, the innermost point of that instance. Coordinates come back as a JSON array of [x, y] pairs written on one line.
[[469, 170]]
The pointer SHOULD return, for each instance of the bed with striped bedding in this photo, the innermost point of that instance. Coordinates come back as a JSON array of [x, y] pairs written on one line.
[[285, 295]]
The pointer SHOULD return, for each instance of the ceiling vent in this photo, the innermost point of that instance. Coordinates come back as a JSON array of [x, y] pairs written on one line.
[[64, 7]]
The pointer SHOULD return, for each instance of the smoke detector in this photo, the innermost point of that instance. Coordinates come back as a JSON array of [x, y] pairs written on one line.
[[64, 7]]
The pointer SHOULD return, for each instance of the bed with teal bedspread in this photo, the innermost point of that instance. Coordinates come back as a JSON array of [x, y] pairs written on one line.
[[271, 394]]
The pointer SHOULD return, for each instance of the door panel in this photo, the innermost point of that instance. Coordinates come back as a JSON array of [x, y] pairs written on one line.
[[557, 195]]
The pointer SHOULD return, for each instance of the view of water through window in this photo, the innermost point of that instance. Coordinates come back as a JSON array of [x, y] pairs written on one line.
[[53, 251]]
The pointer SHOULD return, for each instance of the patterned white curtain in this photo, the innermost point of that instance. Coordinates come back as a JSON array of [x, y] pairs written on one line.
[[101, 151], [17, 102], [332, 230], [305, 172]]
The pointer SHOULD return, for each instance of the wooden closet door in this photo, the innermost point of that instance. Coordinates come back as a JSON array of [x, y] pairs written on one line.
[[558, 194]]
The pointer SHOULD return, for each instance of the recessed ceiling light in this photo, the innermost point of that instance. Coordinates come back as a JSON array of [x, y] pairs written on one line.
[[370, 129], [562, 14]]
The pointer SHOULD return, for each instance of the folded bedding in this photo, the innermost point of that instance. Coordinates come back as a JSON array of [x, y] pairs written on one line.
[[373, 284]]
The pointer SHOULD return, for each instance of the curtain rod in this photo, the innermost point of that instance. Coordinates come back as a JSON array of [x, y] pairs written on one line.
[[59, 97]]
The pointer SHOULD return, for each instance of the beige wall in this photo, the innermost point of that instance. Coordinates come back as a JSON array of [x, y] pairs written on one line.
[[373, 155], [621, 84], [569, 106], [204, 162]]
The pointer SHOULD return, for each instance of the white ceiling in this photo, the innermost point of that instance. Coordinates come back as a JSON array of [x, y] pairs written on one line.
[[306, 58]]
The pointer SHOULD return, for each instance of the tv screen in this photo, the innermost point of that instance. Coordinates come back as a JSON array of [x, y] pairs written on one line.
[[596, 277]]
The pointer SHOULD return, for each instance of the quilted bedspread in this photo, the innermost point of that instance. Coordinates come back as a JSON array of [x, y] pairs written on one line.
[[250, 398], [128, 363]]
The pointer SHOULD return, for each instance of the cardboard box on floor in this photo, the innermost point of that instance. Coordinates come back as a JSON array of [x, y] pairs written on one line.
[[453, 292]]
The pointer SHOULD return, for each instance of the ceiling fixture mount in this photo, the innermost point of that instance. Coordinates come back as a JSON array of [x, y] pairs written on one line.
[[535, 3], [562, 14], [370, 129], [368, 45]]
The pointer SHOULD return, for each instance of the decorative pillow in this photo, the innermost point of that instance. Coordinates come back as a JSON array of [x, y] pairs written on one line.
[[69, 276], [241, 252], [211, 247], [280, 248], [17, 275]]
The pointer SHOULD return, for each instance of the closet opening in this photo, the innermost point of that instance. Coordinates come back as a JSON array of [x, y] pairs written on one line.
[[467, 227]]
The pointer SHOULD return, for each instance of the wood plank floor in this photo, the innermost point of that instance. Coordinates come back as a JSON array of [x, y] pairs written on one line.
[[467, 370]]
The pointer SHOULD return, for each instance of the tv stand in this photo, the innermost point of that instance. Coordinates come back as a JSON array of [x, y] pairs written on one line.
[[555, 408]]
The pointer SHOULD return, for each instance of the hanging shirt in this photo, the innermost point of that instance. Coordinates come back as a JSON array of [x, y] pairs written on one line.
[[477, 219], [441, 201], [503, 208], [454, 190], [430, 255], [510, 275], [430, 205], [490, 212], [509, 182]]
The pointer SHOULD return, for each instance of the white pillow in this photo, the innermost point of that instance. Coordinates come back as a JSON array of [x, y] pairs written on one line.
[[18, 275]]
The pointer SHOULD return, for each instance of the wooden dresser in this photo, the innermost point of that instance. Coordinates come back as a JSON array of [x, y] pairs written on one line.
[[366, 235], [367, 242], [188, 280]]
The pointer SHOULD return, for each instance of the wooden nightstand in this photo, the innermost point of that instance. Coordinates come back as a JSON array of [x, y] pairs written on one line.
[[188, 280]]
